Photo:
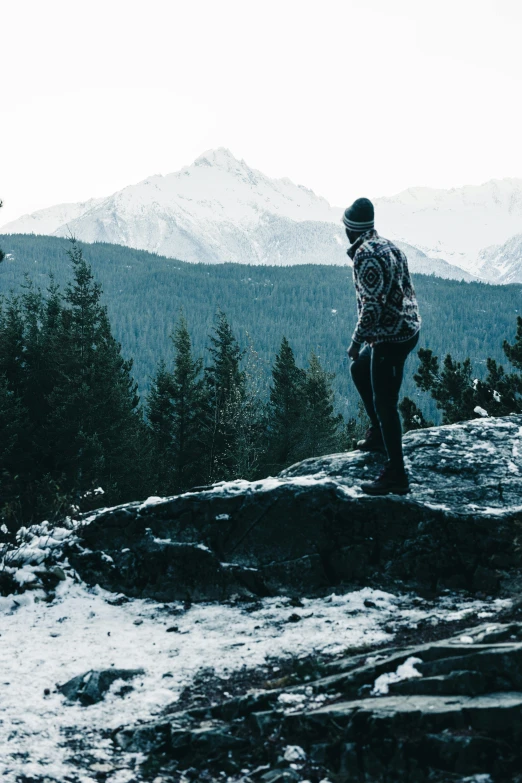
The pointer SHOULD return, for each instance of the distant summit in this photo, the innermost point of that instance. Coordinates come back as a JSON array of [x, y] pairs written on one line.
[[455, 224], [219, 209], [503, 263]]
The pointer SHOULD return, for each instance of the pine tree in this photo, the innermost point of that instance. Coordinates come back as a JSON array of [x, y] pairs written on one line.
[[2, 254], [176, 415], [500, 392], [322, 432], [188, 410], [514, 352], [286, 411], [18, 462], [412, 416], [25, 375], [451, 387], [160, 415], [12, 344], [246, 413], [37, 374], [93, 421], [13, 458], [458, 395], [224, 392]]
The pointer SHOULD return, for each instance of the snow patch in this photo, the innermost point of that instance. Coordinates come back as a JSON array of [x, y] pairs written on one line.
[[406, 671], [43, 644]]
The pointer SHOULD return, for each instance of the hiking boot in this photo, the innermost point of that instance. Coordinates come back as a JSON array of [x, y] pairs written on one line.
[[372, 441], [389, 481]]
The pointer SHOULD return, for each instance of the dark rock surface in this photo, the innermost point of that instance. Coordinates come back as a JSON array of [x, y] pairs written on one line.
[[312, 528], [457, 714], [91, 687]]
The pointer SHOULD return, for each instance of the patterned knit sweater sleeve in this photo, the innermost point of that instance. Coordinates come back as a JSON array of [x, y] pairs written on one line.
[[373, 281]]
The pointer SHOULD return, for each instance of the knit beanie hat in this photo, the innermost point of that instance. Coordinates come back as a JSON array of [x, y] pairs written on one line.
[[360, 216]]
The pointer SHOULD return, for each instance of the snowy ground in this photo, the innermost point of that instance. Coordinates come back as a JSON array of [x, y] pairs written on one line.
[[42, 644]]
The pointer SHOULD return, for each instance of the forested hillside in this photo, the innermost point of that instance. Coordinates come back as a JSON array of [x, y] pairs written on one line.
[[313, 306]]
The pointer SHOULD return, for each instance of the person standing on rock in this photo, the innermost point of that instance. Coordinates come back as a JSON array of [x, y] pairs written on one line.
[[388, 326]]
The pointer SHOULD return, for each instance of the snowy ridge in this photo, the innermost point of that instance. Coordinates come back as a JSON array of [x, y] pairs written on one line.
[[219, 209], [455, 224], [45, 221], [503, 263]]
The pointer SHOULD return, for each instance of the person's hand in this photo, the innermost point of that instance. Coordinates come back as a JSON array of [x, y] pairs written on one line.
[[353, 350]]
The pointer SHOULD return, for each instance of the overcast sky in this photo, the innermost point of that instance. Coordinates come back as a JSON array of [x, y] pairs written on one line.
[[349, 97]]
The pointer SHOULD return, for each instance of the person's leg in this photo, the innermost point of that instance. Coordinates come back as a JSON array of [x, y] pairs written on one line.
[[387, 369], [362, 378]]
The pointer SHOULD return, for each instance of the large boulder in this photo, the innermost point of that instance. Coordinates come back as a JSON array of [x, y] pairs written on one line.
[[311, 527]]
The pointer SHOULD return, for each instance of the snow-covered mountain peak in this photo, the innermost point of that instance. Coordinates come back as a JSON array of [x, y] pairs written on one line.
[[222, 158]]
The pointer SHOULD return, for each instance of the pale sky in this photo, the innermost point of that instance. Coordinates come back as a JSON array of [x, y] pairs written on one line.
[[348, 97]]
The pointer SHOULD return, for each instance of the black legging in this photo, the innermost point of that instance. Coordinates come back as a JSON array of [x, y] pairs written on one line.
[[377, 374]]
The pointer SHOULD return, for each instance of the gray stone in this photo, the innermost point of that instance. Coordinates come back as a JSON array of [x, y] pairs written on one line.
[[91, 687]]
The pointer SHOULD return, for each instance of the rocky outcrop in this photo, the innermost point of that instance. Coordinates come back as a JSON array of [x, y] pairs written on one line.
[[435, 712], [312, 528]]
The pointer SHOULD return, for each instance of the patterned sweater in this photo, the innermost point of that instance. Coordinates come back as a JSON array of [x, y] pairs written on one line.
[[386, 302]]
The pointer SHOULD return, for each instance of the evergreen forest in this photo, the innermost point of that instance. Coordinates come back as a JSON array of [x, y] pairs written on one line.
[[312, 306]]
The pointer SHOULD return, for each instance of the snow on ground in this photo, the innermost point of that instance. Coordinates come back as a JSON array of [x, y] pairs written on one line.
[[42, 644]]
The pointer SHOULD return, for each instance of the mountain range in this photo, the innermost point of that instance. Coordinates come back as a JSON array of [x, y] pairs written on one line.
[[219, 209]]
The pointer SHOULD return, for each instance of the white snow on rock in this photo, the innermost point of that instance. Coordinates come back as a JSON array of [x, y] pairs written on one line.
[[153, 500], [294, 753], [406, 671], [44, 644]]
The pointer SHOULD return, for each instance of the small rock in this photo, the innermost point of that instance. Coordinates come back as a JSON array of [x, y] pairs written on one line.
[[294, 753], [294, 618], [370, 604], [280, 776], [91, 687], [173, 629], [118, 601]]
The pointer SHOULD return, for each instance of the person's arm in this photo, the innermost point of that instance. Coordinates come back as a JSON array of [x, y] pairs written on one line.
[[373, 281]]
